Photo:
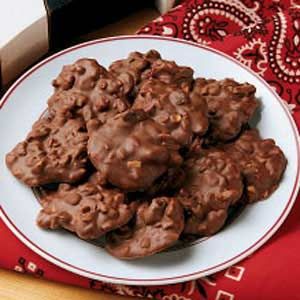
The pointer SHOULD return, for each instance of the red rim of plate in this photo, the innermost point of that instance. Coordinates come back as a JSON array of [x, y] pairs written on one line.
[[154, 281]]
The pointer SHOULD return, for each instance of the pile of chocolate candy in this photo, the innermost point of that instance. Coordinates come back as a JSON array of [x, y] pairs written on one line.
[[145, 154]]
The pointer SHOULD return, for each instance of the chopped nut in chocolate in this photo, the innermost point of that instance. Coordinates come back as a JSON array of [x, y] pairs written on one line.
[[213, 184], [54, 151], [261, 161], [173, 108], [230, 106], [170, 73], [157, 226], [135, 65], [89, 90], [89, 210], [131, 152]]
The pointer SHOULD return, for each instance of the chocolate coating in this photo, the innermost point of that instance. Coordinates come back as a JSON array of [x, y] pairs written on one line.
[[170, 73], [168, 183], [107, 99], [67, 104], [88, 210], [81, 75], [230, 106], [54, 151], [172, 107], [157, 227], [261, 161], [213, 183], [135, 65], [131, 150]]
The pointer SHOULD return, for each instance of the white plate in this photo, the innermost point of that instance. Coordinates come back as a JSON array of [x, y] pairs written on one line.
[[25, 102]]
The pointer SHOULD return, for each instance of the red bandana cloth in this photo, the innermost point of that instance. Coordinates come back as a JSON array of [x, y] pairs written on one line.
[[265, 36]]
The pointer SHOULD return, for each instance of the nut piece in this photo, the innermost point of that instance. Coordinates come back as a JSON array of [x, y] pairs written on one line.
[[175, 118], [251, 189], [134, 164]]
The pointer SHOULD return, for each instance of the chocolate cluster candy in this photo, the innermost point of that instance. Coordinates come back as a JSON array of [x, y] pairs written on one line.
[[230, 106], [54, 151], [141, 67], [170, 73], [131, 150], [81, 76], [88, 89], [173, 108], [88, 209], [157, 226], [261, 162], [213, 184], [137, 65], [145, 155]]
